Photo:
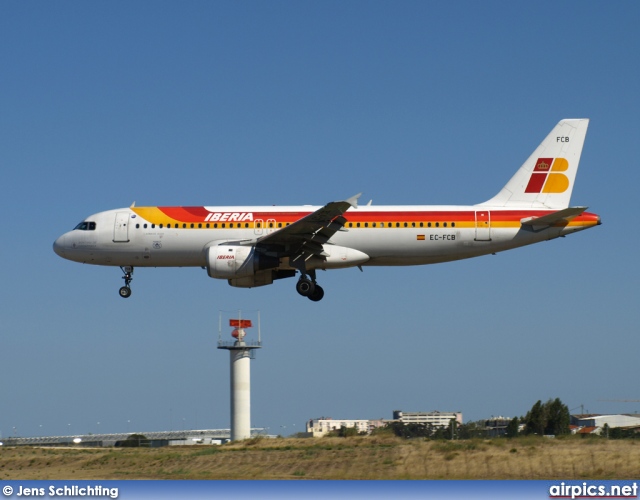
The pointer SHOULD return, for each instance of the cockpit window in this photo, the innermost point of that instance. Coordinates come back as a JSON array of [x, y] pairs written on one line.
[[86, 226]]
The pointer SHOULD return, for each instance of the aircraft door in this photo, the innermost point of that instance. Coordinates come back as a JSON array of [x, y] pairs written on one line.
[[257, 226], [483, 225], [121, 227]]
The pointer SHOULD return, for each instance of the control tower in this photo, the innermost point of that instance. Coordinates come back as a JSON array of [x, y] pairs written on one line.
[[241, 353]]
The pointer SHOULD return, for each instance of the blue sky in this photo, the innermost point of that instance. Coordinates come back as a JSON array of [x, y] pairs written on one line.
[[259, 103]]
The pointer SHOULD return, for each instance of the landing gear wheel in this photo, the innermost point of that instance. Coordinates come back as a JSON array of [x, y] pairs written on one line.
[[317, 294], [305, 287], [125, 291]]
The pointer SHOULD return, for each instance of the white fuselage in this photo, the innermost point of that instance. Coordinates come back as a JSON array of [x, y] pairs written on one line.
[[392, 236]]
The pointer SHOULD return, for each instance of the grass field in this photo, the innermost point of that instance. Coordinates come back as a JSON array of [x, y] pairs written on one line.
[[373, 457]]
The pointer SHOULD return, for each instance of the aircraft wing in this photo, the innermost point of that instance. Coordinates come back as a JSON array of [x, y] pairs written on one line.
[[559, 217], [305, 237]]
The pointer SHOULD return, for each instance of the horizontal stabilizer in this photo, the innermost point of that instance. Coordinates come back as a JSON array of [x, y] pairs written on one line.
[[561, 216]]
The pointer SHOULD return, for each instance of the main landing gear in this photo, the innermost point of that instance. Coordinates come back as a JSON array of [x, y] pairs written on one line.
[[125, 291], [307, 287]]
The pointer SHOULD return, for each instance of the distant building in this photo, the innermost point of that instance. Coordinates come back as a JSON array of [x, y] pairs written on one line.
[[319, 427], [593, 423], [496, 426], [433, 418], [153, 439]]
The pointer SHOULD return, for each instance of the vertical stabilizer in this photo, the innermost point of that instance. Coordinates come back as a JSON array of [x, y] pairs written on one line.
[[546, 179]]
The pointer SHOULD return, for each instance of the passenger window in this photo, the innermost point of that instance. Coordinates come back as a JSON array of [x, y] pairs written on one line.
[[137, 226], [444, 225], [429, 224], [413, 224], [145, 226], [279, 224], [422, 224], [191, 226], [184, 226], [231, 225], [373, 225], [258, 225], [215, 226], [405, 224], [437, 224], [453, 224], [366, 224], [397, 224], [357, 224], [160, 226], [199, 226]]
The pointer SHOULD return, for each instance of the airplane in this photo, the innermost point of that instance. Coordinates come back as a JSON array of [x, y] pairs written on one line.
[[252, 246]]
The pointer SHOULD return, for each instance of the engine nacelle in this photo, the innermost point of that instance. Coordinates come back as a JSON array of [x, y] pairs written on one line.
[[229, 261]]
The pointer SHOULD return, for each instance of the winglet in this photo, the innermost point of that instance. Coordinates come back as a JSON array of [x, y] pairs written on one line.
[[133, 205], [353, 201]]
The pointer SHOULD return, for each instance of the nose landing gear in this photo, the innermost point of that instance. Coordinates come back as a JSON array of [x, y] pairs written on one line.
[[125, 291]]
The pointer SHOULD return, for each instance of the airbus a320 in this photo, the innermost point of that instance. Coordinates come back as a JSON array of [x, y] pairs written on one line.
[[251, 246]]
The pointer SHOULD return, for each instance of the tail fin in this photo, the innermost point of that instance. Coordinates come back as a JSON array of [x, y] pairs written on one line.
[[546, 179]]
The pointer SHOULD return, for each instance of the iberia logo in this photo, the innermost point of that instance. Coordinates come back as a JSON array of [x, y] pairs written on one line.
[[545, 177]]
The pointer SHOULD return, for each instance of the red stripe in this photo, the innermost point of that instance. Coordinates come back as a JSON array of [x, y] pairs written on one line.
[[198, 214], [185, 214]]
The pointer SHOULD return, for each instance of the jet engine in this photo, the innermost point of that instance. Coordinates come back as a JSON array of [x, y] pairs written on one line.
[[229, 261]]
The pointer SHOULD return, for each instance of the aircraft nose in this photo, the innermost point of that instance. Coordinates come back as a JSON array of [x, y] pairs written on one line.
[[58, 246]]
